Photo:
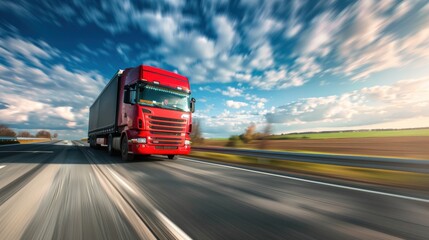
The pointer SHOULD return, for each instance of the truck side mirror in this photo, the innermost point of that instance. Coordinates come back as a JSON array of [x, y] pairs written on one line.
[[192, 104]]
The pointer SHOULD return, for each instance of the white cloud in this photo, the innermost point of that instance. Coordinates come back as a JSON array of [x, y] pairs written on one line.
[[416, 46], [258, 32], [232, 92], [320, 35], [17, 108], [370, 105], [225, 32], [226, 48], [365, 38], [123, 50], [387, 53], [229, 122], [371, 48], [15, 48], [255, 101], [54, 97], [260, 105], [254, 98], [71, 124], [294, 26], [262, 57], [209, 89], [65, 112], [202, 57], [236, 104], [176, 3], [280, 78], [293, 30], [223, 68], [256, 48]]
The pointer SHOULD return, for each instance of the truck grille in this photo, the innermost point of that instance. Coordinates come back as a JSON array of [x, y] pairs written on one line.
[[166, 131]]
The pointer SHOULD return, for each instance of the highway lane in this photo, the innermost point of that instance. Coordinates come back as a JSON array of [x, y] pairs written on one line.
[[64, 191]]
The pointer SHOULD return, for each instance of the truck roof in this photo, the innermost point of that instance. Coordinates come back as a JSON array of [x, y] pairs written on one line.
[[154, 74], [163, 72]]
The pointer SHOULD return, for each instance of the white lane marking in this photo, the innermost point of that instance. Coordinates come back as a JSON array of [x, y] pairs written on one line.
[[315, 182], [122, 181], [171, 226], [26, 151], [92, 154], [2, 166], [179, 233], [15, 144]]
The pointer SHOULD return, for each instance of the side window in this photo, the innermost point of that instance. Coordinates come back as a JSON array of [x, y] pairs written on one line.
[[130, 94]]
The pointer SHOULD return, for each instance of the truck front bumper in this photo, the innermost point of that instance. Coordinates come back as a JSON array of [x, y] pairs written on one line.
[[138, 148]]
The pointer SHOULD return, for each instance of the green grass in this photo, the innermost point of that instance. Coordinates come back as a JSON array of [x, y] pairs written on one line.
[[360, 134]]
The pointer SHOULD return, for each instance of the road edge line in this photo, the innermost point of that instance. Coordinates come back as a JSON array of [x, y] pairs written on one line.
[[312, 181]]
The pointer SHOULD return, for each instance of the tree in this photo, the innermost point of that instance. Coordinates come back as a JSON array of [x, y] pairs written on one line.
[[265, 135], [233, 141], [6, 132], [43, 134], [247, 136], [24, 134], [196, 134]]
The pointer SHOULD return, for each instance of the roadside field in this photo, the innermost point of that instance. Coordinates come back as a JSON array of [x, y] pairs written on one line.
[[358, 134], [25, 141], [405, 147]]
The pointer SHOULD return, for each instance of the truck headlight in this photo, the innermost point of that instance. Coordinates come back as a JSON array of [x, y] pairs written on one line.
[[141, 140], [187, 142]]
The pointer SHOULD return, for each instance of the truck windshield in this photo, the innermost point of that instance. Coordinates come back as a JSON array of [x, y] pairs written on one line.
[[163, 97]]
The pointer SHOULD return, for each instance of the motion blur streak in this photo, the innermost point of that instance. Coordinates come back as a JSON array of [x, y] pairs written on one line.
[[317, 182], [79, 193]]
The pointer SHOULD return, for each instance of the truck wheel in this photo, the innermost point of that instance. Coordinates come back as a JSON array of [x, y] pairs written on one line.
[[173, 157], [110, 149], [92, 142], [124, 150]]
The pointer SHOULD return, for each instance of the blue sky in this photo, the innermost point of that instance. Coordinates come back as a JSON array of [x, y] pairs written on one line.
[[299, 65]]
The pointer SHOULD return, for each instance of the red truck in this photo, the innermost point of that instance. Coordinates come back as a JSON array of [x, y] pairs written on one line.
[[142, 111]]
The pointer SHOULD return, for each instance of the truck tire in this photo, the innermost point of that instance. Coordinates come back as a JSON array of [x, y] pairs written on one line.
[[110, 149], [172, 157], [124, 150], [91, 142]]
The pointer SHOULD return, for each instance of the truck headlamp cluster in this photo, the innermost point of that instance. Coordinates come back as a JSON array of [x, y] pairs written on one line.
[[138, 140], [187, 142]]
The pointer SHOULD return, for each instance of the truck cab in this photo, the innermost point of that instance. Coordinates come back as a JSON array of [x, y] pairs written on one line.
[[153, 114]]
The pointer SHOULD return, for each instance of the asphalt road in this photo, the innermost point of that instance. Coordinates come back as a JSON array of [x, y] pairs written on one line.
[[66, 191]]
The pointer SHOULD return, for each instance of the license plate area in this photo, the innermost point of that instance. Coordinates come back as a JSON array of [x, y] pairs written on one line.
[[166, 147]]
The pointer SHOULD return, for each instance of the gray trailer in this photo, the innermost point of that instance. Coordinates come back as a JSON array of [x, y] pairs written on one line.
[[103, 113]]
